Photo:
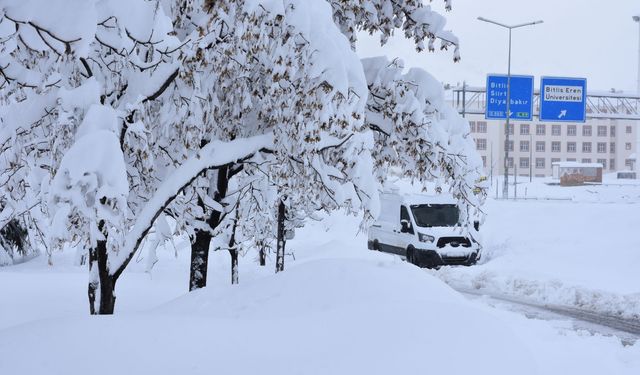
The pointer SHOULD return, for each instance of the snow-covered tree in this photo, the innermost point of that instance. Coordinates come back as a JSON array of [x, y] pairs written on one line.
[[74, 73], [417, 132], [215, 113]]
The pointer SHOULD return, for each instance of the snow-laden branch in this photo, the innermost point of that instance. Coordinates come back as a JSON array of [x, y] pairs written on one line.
[[211, 156]]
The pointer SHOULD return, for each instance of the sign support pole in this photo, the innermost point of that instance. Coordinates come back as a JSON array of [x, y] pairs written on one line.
[[505, 187]]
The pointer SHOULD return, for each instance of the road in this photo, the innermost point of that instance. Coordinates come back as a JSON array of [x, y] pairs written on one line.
[[627, 330]]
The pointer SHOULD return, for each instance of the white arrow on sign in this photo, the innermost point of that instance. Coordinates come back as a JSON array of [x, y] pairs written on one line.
[[563, 113]]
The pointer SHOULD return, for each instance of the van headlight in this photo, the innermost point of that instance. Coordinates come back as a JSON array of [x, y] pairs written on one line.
[[425, 237]]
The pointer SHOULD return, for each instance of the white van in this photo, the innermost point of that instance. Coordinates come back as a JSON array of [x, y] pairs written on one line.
[[425, 229]]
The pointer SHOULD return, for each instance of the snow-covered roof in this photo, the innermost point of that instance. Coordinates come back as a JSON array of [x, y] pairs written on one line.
[[575, 164]]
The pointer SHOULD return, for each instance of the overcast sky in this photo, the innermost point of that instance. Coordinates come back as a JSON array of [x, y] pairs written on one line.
[[595, 39]]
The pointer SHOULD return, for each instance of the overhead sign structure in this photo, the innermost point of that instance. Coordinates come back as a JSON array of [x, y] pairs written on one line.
[[521, 97], [563, 99]]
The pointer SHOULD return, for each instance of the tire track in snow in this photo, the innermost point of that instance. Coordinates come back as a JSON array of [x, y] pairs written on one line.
[[628, 330]]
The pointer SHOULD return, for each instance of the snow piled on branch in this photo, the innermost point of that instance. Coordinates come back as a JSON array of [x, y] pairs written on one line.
[[419, 133], [418, 22], [90, 186]]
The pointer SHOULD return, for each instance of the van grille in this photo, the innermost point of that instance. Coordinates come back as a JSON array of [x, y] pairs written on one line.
[[454, 242], [455, 260]]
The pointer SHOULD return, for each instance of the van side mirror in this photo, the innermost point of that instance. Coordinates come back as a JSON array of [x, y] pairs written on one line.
[[405, 226], [476, 225]]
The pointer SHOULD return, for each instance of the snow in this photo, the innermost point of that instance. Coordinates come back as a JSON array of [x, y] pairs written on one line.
[[573, 164], [338, 308], [569, 246], [214, 154], [78, 26], [99, 118]]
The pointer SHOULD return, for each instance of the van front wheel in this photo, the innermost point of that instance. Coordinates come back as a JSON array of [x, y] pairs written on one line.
[[411, 256]]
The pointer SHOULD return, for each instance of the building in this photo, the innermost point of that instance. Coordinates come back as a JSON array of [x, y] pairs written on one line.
[[534, 146], [607, 137]]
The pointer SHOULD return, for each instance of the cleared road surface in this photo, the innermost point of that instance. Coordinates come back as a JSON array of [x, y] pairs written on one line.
[[628, 330]]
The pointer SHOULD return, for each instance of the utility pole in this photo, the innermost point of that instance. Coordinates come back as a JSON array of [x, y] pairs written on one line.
[[505, 187]]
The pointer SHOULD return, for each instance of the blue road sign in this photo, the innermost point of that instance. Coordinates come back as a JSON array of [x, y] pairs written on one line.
[[563, 99], [521, 97]]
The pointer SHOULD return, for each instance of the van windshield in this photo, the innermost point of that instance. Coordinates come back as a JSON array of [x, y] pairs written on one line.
[[435, 215]]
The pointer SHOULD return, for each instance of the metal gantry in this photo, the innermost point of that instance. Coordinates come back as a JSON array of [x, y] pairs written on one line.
[[600, 105]]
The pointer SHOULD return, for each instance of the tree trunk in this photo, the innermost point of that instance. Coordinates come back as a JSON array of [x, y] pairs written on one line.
[[233, 251], [100, 281], [200, 247], [199, 260], [281, 240], [262, 254], [234, 266]]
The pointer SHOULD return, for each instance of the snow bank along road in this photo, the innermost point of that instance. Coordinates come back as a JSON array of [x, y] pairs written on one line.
[[628, 330], [578, 257]]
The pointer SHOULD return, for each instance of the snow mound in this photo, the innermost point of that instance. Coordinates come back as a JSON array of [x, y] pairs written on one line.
[[320, 285], [320, 317]]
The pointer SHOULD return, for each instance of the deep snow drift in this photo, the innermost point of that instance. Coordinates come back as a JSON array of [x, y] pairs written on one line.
[[365, 313], [576, 247], [337, 309]]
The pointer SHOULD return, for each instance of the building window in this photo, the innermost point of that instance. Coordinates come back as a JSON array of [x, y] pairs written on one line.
[[586, 160], [602, 147], [612, 163], [602, 131], [555, 146], [612, 148], [524, 146], [555, 160], [540, 129], [603, 162], [509, 145], [539, 163], [556, 130], [586, 146], [472, 126], [524, 129], [571, 159], [628, 163], [586, 131], [627, 146], [510, 162], [524, 162], [481, 127], [612, 130], [571, 147], [628, 129], [571, 130], [540, 146], [510, 129], [481, 144], [484, 161]]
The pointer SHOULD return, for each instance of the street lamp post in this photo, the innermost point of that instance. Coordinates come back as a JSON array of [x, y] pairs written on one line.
[[505, 186], [637, 162], [637, 19]]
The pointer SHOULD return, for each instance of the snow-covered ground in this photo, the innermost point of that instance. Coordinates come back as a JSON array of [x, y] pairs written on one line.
[[572, 246], [339, 308]]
